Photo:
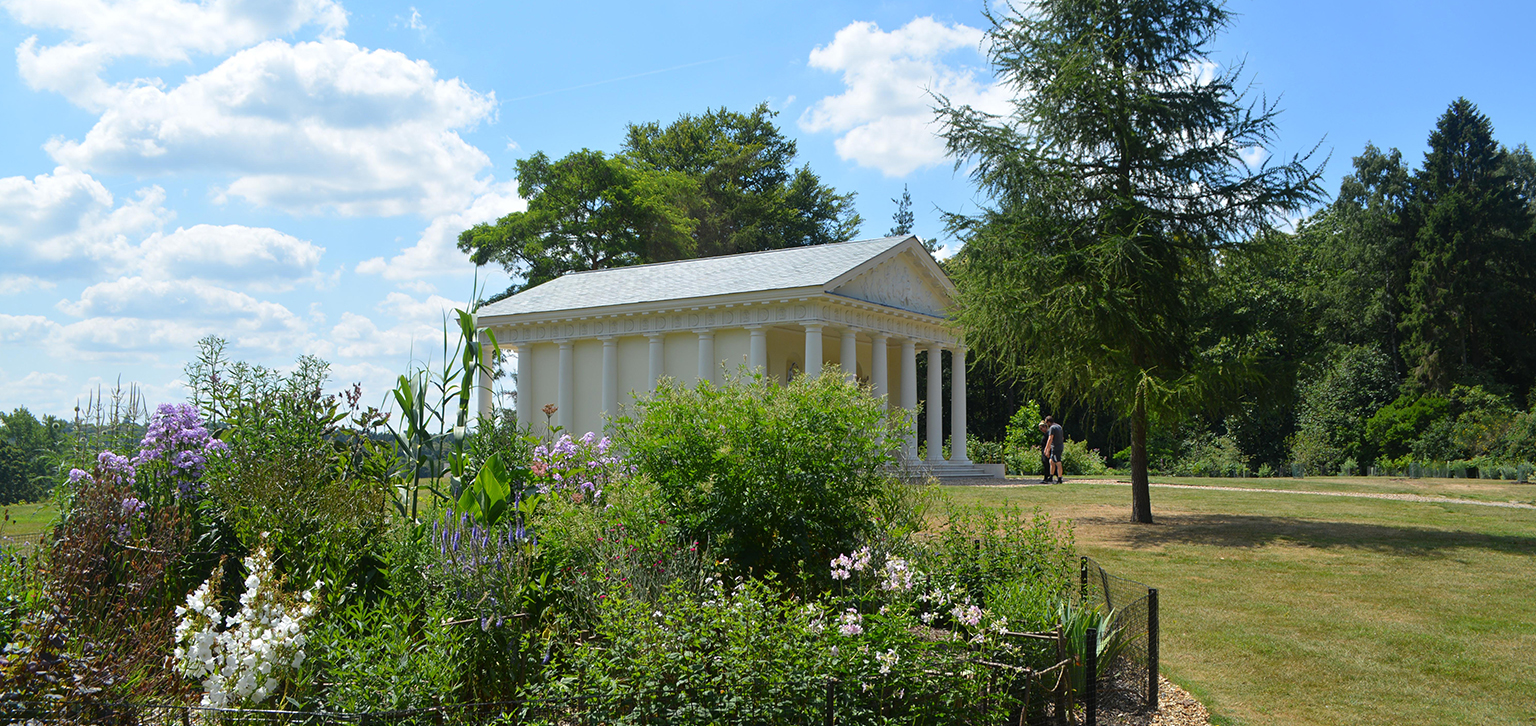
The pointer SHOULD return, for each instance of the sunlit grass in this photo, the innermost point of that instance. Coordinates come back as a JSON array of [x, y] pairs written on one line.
[[22, 520], [1295, 609]]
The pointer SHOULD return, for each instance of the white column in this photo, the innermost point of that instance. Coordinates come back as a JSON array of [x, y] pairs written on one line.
[[483, 392], [848, 357], [957, 451], [935, 402], [909, 393], [813, 350], [658, 359], [879, 377], [610, 374], [525, 384], [566, 416], [706, 355], [757, 351]]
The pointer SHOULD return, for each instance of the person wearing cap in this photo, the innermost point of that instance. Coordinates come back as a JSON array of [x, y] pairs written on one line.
[[1052, 450]]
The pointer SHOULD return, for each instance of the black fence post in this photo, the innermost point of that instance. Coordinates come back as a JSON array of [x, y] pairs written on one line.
[[1152, 648], [1091, 678], [831, 701], [1083, 582]]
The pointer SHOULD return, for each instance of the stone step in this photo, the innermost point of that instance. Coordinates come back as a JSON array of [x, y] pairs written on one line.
[[948, 470]]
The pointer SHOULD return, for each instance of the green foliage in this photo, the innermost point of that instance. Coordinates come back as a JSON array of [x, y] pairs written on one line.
[[1075, 620], [316, 490], [1079, 460], [981, 548], [1398, 426], [1472, 261], [1336, 405], [770, 477], [1206, 454], [381, 657], [1084, 276], [30, 452], [715, 184], [491, 496]]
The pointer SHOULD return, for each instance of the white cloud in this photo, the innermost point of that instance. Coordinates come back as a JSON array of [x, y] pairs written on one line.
[[437, 252], [307, 128], [17, 284], [885, 117], [65, 224], [25, 329], [259, 257], [417, 332], [136, 314], [162, 31]]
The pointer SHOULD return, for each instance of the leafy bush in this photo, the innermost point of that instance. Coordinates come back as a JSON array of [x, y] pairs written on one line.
[[985, 452], [769, 477], [1078, 459], [982, 547], [1209, 455], [1336, 404], [378, 657], [1395, 428]]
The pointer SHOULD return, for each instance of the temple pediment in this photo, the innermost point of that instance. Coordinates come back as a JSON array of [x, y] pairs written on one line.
[[903, 280]]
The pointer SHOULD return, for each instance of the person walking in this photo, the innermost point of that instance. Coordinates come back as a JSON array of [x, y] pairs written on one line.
[[1053, 448]]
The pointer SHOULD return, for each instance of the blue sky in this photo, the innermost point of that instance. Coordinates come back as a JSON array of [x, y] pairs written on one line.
[[291, 174]]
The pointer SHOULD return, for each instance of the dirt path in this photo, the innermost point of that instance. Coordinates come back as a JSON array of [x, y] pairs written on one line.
[[1358, 495]]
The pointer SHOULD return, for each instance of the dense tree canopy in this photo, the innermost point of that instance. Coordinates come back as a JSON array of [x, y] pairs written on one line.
[[1114, 182], [720, 183]]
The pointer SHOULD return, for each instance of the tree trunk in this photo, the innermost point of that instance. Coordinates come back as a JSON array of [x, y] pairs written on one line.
[[1141, 494]]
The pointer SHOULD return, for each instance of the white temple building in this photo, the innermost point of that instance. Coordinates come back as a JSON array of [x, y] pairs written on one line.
[[585, 341]]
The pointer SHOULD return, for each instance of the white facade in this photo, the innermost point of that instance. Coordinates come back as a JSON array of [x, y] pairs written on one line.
[[587, 342]]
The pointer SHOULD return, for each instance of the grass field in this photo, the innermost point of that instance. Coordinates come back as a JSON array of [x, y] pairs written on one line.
[[1289, 608], [26, 520]]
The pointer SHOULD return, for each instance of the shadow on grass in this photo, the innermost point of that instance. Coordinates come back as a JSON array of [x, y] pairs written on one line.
[[1223, 530]]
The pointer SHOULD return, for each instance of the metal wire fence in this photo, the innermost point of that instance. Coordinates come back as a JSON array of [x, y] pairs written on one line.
[[1131, 675], [1019, 696]]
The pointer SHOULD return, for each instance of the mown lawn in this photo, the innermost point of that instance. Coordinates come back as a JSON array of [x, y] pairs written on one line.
[[1305, 609], [26, 520]]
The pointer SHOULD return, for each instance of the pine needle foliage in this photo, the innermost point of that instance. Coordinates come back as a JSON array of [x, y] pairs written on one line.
[[1115, 183]]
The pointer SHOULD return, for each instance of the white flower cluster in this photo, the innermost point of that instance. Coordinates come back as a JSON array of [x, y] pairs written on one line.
[[898, 576], [242, 658], [852, 623], [844, 566], [887, 659]]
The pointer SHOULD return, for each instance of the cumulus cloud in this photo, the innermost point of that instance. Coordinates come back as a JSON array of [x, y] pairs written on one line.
[[885, 116], [259, 257], [136, 314], [26, 329], [308, 128], [437, 252], [66, 224], [417, 329], [99, 32]]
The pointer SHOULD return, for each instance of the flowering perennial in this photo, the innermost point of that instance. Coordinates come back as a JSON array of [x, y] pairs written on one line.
[[176, 436], [577, 468], [242, 658]]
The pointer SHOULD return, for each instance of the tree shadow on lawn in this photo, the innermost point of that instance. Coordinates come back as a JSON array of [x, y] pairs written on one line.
[[1249, 531]]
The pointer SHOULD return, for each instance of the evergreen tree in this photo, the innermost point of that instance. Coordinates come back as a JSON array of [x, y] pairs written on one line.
[[901, 221], [1472, 262], [1112, 184]]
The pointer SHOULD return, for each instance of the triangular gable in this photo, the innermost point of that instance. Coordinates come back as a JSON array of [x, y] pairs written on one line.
[[904, 277]]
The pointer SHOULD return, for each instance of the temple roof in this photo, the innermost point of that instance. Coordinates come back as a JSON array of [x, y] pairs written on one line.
[[819, 268]]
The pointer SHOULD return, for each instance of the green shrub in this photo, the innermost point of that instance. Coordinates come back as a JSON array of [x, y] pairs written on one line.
[[982, 547], [1395, 428], [985, 452], [381, 657], [1078, 459], [1336, 403], [770, 477], [1211, 456]]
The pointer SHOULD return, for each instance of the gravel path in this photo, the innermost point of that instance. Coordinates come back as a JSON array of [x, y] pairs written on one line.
[[1359, 495]]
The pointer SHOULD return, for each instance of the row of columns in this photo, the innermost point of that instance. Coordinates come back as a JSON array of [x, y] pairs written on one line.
[[758, 359]]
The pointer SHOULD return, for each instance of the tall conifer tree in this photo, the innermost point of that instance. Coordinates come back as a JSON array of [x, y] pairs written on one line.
[[1472, 260], [1113, 184]]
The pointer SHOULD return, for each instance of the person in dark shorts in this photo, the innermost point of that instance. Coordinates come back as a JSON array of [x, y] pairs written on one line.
[[1052, 450]]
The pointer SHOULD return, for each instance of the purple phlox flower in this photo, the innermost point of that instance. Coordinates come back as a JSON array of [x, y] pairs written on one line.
[[134, 507], [75, 475], [118, 469]]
